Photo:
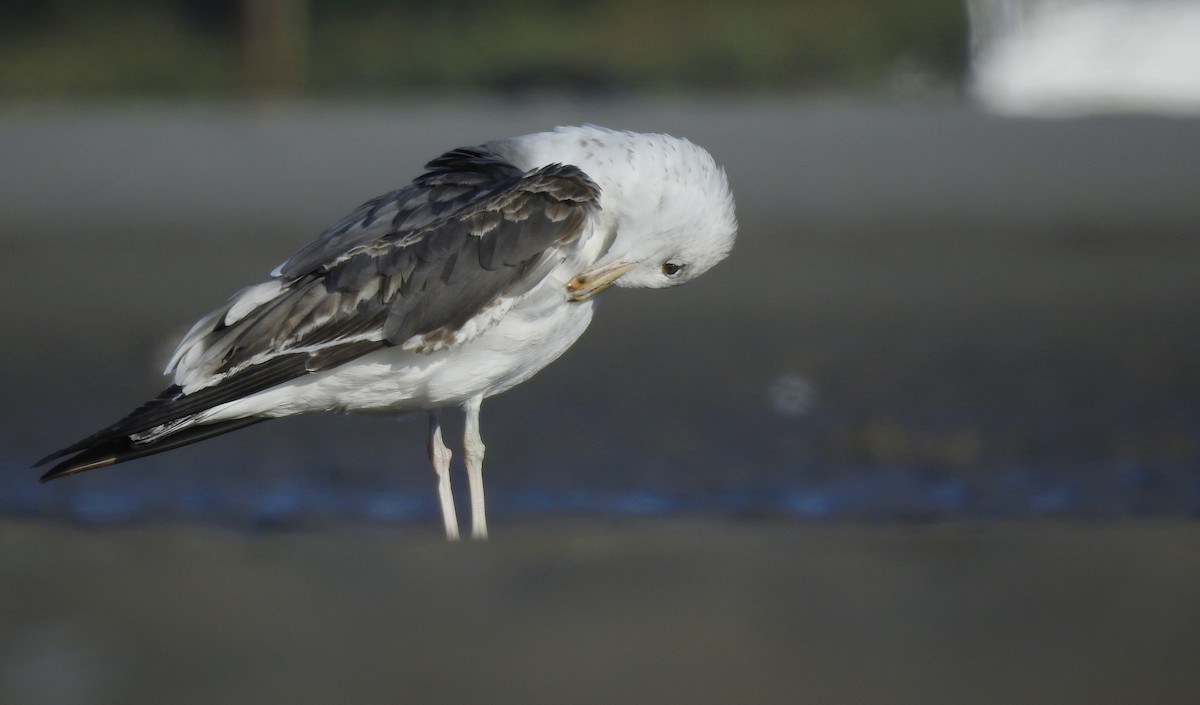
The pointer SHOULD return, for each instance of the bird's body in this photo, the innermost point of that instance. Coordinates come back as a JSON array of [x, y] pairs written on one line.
[[532, 334], [451, 290]]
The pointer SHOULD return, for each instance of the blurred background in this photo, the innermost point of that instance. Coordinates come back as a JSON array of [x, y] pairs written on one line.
[[931, 433], [340, 49]]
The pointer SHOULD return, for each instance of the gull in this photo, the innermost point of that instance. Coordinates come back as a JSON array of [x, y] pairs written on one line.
[[453, 289]]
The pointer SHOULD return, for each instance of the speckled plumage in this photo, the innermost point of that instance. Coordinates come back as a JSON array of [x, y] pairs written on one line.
[[455, 288]]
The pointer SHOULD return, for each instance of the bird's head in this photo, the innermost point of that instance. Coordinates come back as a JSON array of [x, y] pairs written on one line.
[[669, 208]]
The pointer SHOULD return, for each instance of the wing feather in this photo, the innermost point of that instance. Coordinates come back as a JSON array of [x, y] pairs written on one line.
[[414, 265]]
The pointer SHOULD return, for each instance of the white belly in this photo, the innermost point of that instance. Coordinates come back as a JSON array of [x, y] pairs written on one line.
[[533, 334]]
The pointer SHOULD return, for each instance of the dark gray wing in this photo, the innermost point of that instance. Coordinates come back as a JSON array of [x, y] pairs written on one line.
[[452, 183], [461, 235], [421, 261]]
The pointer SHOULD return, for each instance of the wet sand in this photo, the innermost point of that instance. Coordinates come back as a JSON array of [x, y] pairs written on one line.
[[602, 611]]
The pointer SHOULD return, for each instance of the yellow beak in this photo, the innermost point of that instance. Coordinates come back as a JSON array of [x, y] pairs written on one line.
[[587, 284]]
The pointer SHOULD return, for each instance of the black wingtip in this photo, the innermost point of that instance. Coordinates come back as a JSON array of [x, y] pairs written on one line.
[[101, 438], [65, 472], [53, 456], [117, 449], [96, 455]]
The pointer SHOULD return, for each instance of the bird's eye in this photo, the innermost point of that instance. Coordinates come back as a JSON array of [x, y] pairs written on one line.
[[672, 268]]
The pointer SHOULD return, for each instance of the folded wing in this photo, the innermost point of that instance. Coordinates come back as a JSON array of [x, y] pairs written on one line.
[[420, 267]]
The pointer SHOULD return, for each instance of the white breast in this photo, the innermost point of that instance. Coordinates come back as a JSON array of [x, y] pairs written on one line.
[[537, 330]]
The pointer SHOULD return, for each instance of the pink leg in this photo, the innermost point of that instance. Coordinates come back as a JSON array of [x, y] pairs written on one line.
[[440, 456], [473, 456]]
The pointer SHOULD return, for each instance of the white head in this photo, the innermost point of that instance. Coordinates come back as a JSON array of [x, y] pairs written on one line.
[[667, 201]]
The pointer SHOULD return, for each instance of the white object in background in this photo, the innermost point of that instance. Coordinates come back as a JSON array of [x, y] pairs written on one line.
[[1073, 57]]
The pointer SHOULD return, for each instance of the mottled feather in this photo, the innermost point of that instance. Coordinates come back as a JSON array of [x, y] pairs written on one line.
[[411, 268]]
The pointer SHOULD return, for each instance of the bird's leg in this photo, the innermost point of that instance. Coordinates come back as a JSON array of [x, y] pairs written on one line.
[[473, 456], [440, 456]]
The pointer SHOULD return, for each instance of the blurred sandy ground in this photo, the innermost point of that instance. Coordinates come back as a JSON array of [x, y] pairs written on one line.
[[965, 294], [593, 611]]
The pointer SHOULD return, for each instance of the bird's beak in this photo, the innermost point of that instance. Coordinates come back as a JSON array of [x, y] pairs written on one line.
[[587, 284]]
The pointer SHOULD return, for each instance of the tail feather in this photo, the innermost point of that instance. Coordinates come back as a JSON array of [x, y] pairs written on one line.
[[105, 448]]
